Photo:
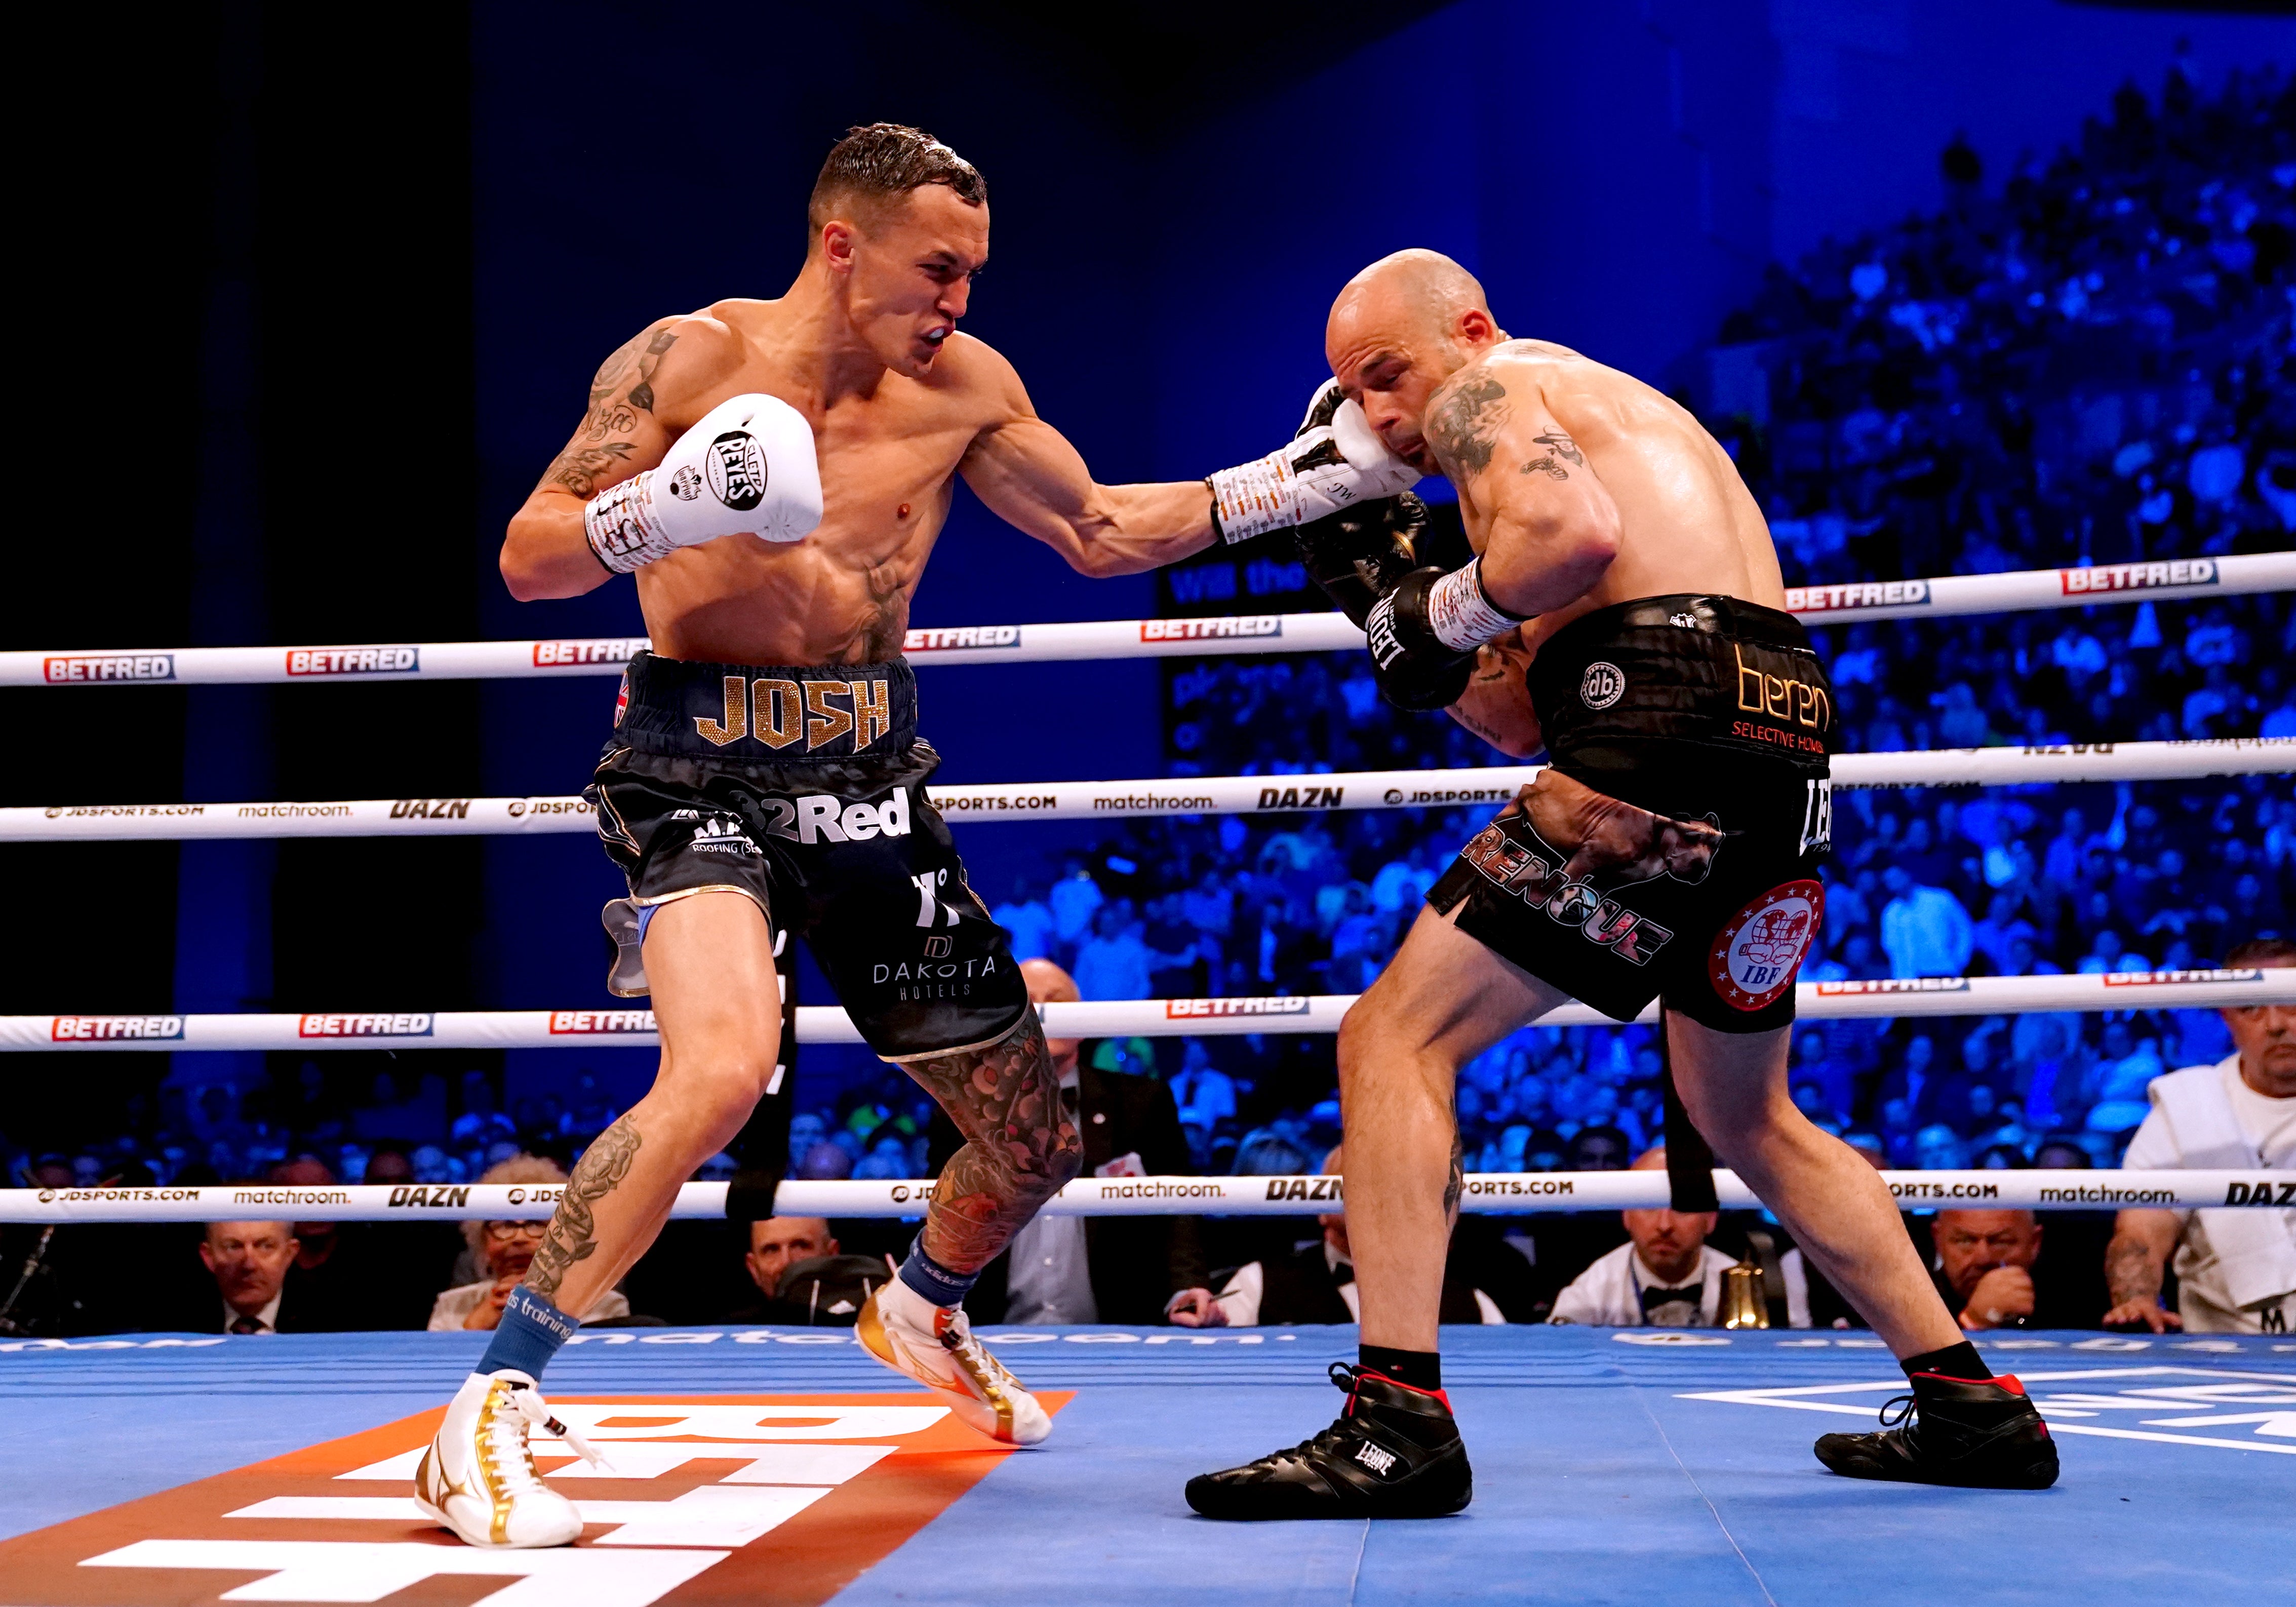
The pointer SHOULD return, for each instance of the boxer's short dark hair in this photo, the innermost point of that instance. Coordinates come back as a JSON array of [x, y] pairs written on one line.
[[876, 162], [2261, 951]]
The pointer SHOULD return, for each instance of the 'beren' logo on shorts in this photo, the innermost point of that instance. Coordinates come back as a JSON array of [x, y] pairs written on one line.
[[737, 471], [1601, 685]]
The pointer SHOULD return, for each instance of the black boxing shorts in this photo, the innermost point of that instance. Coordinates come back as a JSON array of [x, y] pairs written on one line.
[[1671, 850], [804, 789]]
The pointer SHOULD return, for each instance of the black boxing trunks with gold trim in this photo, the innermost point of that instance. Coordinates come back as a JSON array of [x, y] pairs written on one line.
[[1671, 850], [804, 789]]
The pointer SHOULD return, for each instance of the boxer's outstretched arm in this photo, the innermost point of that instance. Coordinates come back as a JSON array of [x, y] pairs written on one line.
[[640, 401], [1552, 529], [1031, 477]]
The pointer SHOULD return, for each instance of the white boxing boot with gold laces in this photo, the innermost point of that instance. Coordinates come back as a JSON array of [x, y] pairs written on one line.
[[934, 1345], [479, 1478]]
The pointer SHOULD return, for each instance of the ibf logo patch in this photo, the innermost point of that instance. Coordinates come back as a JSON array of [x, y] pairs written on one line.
[[1754, 960], [737, 471]]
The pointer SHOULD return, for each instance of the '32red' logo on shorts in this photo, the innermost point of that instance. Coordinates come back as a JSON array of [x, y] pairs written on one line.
[[1761, 947]]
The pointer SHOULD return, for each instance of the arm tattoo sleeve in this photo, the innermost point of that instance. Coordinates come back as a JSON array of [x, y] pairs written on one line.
[[1463, 426], [573, 1231], [621, 389]]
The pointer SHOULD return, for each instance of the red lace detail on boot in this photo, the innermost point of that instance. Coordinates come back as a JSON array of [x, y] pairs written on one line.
[[1362, 1373]]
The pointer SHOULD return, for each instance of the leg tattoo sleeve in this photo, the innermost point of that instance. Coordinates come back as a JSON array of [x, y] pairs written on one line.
[[1021, 1147], [573, 1230]]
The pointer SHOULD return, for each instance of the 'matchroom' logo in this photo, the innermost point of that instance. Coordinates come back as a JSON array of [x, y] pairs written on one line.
[[779, 1498]]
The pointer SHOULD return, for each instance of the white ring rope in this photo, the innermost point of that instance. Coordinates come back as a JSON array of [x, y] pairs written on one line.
[[1508, 1194], [1121, 799], [1133, 1018], [1945, 595]]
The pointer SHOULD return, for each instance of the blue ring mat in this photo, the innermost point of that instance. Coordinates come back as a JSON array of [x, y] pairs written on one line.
[[1636, 1465]]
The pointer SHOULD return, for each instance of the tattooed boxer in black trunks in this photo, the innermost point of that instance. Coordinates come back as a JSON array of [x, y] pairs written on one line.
[[1621, 606], [774, 474]]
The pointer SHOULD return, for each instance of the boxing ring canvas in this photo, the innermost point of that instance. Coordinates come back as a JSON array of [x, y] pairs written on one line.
[[774, 1467]]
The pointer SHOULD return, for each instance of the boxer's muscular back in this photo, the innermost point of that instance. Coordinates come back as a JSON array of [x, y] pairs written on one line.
[[1687, 522], [887, 454]]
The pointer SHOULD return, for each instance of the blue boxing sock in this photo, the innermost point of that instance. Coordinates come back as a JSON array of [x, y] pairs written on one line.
[[933, 1281], [530, 1331]]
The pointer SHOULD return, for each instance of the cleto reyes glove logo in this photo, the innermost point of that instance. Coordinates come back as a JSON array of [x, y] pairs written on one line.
[[737, 471]]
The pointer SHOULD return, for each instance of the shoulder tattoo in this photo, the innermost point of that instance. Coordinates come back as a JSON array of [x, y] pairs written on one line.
[[620, 391], [1465, 425], [1560, 449]]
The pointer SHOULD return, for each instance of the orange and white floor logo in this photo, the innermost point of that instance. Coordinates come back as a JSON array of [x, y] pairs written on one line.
[[747, 1500]]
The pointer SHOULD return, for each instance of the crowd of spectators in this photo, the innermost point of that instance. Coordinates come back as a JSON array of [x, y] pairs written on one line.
[[2089, 363]]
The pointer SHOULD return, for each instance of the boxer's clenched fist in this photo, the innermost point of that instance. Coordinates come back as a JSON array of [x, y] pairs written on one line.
[[1424, 634], [1335, 462], [747, 467]]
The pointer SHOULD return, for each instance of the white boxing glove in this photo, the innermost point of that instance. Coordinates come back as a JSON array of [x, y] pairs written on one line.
[[1334, 462], [747, 468]]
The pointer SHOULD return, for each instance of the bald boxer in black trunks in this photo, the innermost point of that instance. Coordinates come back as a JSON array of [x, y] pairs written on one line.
[[1619, 603], [774, 473]]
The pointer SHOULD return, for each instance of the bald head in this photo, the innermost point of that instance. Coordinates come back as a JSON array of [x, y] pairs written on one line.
[[1399, 329], [1416, 288]]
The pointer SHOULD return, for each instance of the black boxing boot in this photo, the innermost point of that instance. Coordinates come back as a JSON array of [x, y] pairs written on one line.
[[1394, 1453], [1972, 1433]]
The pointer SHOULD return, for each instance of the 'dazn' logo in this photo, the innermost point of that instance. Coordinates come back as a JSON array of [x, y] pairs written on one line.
[[766, 1500], [1754, 960]]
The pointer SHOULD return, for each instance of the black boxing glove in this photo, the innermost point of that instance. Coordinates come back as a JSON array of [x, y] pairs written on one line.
[[1425, 633], [1359, 555]]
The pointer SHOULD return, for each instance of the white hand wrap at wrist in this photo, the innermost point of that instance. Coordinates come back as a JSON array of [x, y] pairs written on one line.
[[1254, 498], [1461, 614], [622, 527]]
